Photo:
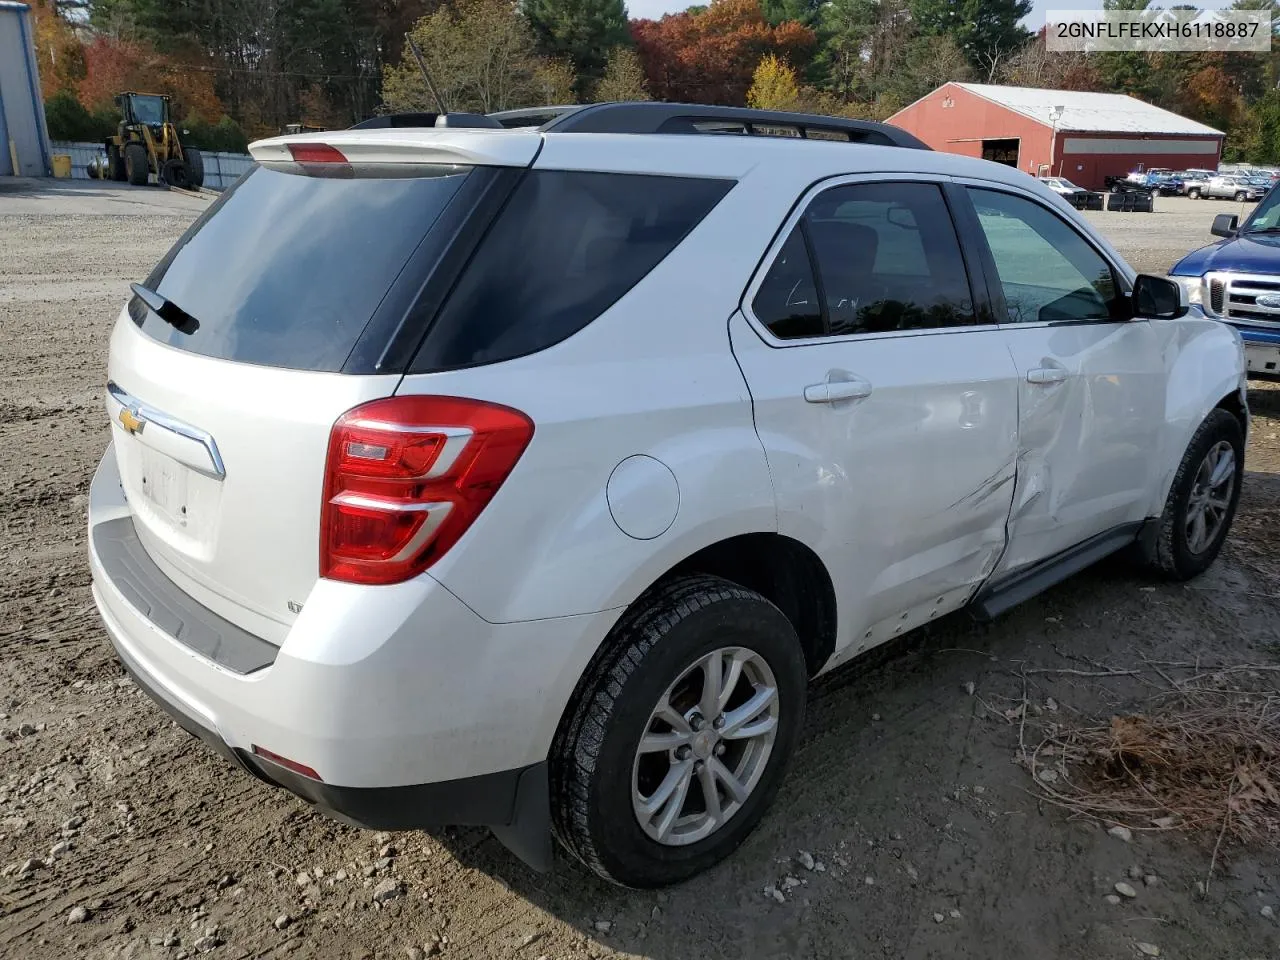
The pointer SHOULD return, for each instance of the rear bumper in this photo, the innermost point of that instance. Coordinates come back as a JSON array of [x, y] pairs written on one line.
[[412, 710]]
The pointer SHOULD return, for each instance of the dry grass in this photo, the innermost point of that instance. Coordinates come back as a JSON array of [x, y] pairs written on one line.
[[1203, 758]]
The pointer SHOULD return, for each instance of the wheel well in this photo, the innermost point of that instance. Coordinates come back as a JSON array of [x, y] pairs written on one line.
[[1235, 406], [785, 572]]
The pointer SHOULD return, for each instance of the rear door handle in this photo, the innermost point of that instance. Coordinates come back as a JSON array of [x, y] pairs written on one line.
[[1046, 375], [836, 390]]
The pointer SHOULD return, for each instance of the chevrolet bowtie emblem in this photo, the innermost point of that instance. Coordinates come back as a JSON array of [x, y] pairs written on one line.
[[131, 421]]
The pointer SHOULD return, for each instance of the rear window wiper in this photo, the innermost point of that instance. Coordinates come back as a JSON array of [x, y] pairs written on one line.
[[166, 310]]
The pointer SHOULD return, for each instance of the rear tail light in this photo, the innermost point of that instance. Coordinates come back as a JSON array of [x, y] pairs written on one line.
[[406, 477], [315, 153]]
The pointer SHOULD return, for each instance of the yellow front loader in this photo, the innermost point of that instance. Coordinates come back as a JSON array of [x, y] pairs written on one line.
[[146, 143]]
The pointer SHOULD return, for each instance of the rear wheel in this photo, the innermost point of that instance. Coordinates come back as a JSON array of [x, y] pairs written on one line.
[[174, 173], [135, 164], [195, 167], [1202, 501], [681, 732]]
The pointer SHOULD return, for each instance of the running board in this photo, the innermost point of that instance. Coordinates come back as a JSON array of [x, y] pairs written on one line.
[[1006, 593]]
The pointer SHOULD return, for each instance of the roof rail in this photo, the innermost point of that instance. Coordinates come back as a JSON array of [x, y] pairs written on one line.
[[533, 116], [428, 120], [652, 117]]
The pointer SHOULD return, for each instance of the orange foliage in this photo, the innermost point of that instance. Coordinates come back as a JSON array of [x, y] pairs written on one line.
[[115, 66], [59, 55], [710, 57], [1210, 96]]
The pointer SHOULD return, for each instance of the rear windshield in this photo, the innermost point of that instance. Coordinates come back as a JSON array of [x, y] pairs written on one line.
[[566, 247], [288, 266]]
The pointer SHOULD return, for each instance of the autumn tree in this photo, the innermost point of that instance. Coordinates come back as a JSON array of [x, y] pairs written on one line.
[[482, 57], [623, 78], [774, 86], [711, 57], [113, 66], [580, 31], [58, 50]]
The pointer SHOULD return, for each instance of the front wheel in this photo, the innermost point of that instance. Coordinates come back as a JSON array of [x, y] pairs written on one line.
[[1241, 196], [680, 733], [136, 165], [1202, 500], [1193, 194]]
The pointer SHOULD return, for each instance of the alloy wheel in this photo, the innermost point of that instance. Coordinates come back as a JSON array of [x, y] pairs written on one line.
[[705, 746], [1210, 498]]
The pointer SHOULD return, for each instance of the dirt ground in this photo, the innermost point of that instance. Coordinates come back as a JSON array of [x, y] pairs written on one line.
[[120, 836]]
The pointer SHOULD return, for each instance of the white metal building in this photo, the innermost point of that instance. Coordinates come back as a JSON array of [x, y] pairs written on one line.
[[24, 140]]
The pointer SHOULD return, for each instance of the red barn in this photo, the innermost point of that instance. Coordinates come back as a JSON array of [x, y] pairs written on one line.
[[1084, 137]]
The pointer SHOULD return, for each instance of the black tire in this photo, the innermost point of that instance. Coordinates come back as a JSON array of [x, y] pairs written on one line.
[[174, 173], [1193, 193], [195, 167], [115, 165], [1172, 556], [135, 164], [665, 632], [1241, 196]]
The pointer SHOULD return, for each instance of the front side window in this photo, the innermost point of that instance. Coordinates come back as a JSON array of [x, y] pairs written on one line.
[[1048, 272], [868, 258]]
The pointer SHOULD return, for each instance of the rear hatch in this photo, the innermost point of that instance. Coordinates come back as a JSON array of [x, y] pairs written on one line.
[[287, 303]]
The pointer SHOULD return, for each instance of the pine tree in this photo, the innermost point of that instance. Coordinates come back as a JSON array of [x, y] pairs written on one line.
[[580, 31], [989, 32]]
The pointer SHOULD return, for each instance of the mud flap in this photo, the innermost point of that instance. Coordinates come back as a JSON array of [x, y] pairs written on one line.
[[528, 835]]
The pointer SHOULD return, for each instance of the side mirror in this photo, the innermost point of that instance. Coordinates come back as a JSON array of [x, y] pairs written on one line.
[[1159, 298], [1224, 225]]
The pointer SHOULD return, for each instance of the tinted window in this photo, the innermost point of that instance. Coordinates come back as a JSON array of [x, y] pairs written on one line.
[[787, 301], [286, 268], [1048, 272], [888, 259], [564, 249]]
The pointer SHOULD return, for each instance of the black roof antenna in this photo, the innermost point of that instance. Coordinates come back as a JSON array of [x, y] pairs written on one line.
[[422, 65]]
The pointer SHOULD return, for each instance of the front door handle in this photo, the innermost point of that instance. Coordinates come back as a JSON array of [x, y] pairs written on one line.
[[1046, 375], [833, 391]]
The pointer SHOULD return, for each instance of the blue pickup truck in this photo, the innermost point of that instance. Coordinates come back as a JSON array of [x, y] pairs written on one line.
[[1237, 280]]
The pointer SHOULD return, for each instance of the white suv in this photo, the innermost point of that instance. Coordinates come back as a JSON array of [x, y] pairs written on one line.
[[523, 477]]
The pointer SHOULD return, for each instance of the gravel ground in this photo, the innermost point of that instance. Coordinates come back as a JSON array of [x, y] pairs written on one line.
[[120, 836]]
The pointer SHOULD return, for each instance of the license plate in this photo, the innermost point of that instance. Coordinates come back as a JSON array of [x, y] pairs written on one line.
[[164, 483]]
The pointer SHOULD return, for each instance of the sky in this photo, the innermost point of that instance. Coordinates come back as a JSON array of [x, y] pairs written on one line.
[[1035, 20]]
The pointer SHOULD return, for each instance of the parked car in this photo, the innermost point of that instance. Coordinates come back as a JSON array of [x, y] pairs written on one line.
[[1133, 183], [1193, 182], [524, 477], [1237, 279], [1061, 185], [1227, 187]]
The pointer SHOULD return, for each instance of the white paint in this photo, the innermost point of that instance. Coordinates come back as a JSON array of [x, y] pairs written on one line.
[[644, 497]]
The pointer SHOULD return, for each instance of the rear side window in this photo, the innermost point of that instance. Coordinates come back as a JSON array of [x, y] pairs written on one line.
[[564, 249], [288, 266]]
